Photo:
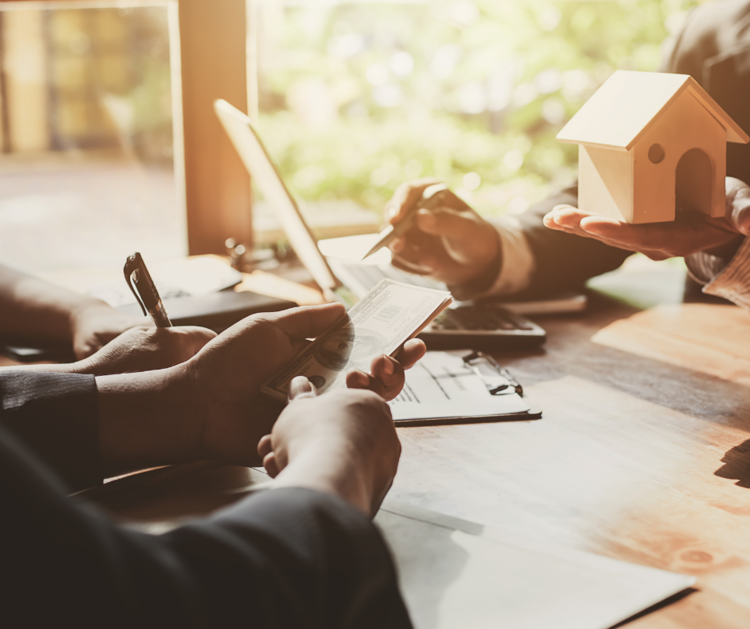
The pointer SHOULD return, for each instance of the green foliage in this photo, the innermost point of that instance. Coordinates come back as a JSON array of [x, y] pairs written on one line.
[[356, 98]]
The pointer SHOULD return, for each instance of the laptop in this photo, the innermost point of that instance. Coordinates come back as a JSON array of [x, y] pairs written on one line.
[[347, 280]]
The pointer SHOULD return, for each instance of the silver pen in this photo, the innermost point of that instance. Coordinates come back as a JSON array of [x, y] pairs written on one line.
[[143, 287]]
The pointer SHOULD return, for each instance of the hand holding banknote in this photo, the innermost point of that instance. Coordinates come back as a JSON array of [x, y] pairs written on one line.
[[379, 326], [225, 413], [387, 377], [351, 449]]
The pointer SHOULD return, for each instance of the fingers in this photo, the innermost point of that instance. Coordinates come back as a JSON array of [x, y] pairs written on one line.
[[398, 245], [418, 252], [427, 264], [390, 373], [265, 450], [627, 235], [264, 446], [411, 353], [309, 321], [565, 218], [406, 195], [449, 223], [647, 239], [266, 453], [738, 205], [271, 465], [357, 379], [688, 233], [300, 387], [571, 220], [387, 376], [667, 238], [741, 219]]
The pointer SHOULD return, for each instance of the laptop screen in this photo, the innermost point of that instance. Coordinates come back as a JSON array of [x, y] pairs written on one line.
[[268, 180]]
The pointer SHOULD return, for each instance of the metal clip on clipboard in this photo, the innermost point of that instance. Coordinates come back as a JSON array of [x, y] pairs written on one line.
[[497, 379]]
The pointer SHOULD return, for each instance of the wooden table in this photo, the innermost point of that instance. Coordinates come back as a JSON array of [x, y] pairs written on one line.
[[643, 454]]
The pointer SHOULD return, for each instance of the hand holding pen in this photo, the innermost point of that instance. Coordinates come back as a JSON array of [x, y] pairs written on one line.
[[430, 198], [446, 240], [143, 287]]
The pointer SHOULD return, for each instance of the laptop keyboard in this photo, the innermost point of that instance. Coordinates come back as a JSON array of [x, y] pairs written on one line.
[[369, 275], [458, 319], [477, 319]]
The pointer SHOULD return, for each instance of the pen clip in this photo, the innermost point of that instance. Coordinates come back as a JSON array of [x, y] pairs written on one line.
[[131, 267]]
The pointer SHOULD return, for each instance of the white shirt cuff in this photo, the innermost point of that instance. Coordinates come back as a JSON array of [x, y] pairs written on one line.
[[518, 260], [733, 283]]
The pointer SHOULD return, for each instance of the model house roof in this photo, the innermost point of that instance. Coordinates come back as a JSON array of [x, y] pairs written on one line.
[[629, 102]]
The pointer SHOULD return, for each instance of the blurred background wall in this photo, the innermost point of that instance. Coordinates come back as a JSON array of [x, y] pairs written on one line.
[[86, 110], [352, 98]]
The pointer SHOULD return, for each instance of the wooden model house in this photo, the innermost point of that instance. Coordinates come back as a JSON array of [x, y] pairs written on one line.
[[650, 143]]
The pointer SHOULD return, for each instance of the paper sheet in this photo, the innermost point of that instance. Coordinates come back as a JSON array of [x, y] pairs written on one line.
[[442, 385], [460, 575]]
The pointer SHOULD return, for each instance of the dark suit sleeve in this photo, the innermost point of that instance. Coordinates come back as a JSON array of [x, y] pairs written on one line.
[[300, 558], [55, 416], [286, 558], [563, 261]]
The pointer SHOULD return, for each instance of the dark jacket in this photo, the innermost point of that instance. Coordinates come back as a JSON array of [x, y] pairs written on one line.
[[284, 558]]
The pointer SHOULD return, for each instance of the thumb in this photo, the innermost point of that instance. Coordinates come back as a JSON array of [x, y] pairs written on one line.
[[741, 216], [300, 387]]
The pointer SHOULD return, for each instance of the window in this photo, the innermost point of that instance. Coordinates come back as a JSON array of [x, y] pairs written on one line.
[[87, 170], [353, 98]]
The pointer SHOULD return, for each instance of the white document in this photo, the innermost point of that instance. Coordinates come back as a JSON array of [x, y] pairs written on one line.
[[458, 575], [442, 385]]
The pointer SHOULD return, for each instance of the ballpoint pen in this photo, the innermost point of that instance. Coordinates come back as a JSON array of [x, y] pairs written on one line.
[[430, 199], [140, 282]]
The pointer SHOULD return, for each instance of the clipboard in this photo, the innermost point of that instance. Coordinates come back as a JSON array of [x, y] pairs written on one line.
[[459, 387]]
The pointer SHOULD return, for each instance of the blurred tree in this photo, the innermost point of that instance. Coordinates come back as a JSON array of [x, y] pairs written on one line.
[[357, 97]]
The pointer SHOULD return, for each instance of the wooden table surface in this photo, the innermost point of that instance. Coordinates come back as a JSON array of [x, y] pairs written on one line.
[[643, 454]]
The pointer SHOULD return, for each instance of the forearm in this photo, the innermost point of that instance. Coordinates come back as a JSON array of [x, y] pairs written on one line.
[[163, 417], [33, 308], [88, 429], [147, 419], [331, 471]]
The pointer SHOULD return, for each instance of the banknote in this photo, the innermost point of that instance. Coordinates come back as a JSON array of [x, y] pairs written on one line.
[[388, 316]]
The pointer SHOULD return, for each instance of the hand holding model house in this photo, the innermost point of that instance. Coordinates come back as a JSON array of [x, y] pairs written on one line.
[[652, 149]]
